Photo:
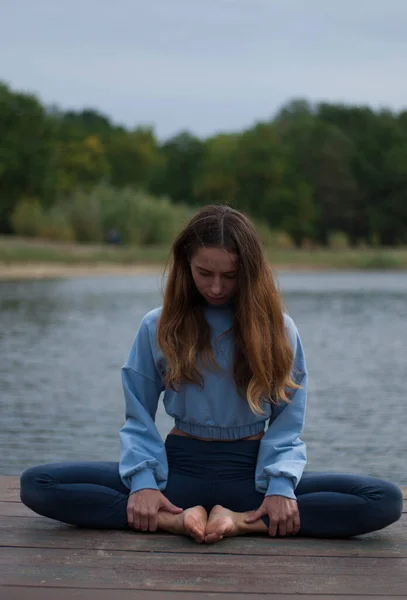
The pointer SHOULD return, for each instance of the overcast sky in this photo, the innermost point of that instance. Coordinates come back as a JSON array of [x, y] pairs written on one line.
[[204, 65]]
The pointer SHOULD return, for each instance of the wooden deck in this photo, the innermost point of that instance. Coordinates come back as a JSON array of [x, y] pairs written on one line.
[[47, 560]]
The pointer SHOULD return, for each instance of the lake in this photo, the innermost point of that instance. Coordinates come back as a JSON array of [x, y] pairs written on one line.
[[63, 342]]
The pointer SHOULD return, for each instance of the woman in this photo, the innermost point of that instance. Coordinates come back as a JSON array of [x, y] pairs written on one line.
[[229, 361]]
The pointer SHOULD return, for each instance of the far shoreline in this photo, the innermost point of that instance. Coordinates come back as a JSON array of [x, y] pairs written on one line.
[[29, 258], [43, 271]]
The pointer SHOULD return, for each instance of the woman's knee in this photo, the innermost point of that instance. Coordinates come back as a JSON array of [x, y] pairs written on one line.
[[33, 483], [390, 500], [394, 501]]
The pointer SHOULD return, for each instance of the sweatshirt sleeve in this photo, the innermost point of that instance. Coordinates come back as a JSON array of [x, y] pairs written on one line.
[[282, 455], [143, 460]]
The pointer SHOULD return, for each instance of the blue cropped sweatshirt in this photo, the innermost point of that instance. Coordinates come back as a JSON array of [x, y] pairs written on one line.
[[217, 411]]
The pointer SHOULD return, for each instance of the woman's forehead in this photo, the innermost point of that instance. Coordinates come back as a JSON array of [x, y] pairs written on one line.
[[215, 259]]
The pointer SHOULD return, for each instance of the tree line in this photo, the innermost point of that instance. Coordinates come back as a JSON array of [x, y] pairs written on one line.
[[311, 171]]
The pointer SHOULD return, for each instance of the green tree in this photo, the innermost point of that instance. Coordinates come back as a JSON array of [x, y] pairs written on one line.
[[27, 161], [134, 158], [179, 168], [80, 163], [260, 168], [319, 156], [216, 181]]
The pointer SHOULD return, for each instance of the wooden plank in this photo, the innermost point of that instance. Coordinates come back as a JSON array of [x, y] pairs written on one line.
[[40, 555], [41, 532], [237, 546], [15, 509], [43, 593], [215, 574], [191, 562], [10, 489], [45, 533]]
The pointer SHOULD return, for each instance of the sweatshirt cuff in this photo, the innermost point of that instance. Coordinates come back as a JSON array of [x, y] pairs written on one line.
[[143, 480], [281, 486]]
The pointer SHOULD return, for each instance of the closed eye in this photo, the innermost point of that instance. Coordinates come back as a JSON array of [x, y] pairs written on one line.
[[226, 275]]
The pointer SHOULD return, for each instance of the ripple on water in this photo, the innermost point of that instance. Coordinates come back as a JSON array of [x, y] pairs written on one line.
[[62, 345]]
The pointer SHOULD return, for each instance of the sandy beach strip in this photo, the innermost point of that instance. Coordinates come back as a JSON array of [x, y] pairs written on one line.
[[16, 271], [38, 271]]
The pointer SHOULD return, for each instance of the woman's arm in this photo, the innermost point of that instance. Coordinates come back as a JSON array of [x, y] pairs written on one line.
[[143, 460], [282, 455]]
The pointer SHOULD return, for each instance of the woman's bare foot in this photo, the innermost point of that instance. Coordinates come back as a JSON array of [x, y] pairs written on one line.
[[222, 523], [191, 522]]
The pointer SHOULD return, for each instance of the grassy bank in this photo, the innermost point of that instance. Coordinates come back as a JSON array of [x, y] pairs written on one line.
[[16, 250], [19, 251]]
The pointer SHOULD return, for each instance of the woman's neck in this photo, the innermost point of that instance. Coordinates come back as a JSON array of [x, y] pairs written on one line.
[[225, 305]]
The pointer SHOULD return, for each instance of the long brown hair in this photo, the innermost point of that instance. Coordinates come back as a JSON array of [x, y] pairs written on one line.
[[262, 353]]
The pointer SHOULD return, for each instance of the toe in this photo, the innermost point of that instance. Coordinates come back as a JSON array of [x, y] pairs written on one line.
[[211, 538], [197, 534]]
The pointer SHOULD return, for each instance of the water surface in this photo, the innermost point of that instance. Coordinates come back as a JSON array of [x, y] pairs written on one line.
[[62, 344]]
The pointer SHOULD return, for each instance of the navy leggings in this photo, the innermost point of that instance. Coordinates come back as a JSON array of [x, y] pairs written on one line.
[[91, 494]]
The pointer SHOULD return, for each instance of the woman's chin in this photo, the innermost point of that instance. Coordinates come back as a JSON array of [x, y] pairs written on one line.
[[217, 301]]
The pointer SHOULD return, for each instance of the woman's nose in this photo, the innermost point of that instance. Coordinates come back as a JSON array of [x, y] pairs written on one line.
[[216, 287]]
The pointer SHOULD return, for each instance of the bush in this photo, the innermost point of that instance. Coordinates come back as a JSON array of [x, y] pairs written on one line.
[[27, 217], [337, 240], [380, 261], [138, 218], [272, 238], [56, 225], [156, 221], [85, 217]]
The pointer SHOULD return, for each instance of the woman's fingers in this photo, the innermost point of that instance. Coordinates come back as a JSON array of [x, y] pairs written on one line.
[[144, 520], [273, 525], [282, 528], [254, 517], [153, 522], [257, 514], [169, 506], [148, 521], [130, 516], [136, 520], [142, 509], [297, 523], [290, 526]]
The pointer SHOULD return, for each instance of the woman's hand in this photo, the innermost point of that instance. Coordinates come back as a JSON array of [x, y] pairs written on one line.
[[143, 507], [282, 512]]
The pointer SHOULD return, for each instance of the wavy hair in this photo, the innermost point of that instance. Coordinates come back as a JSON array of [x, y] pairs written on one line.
[[262, 353]]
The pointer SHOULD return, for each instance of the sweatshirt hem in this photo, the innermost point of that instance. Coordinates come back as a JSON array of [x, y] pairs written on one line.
[[219, 433]]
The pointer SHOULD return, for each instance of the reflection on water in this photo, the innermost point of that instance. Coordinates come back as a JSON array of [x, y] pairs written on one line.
[[62, 344]]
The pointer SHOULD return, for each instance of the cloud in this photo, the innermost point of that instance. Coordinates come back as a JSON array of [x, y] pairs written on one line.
[[207, 66]]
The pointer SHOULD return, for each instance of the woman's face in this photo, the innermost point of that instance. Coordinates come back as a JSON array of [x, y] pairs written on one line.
[[215, 274]]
